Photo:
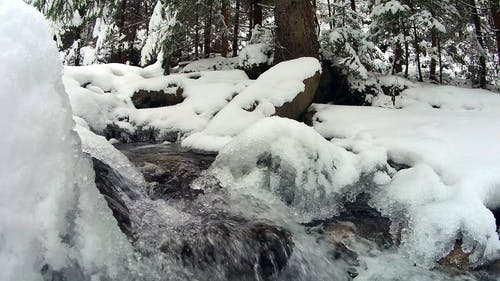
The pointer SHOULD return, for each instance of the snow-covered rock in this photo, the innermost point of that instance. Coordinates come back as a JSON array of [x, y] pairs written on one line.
[[279, 158], [52, 218], [102, 96], [285, 90]]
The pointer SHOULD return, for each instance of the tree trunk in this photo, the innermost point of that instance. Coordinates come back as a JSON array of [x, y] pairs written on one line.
[[417, 53], [329, 14], [432, 66], [440, 61], [224, 39], [196, 34], [398, 59], [495, 14], [296, 30], [479, 35], [257, 17], [207, 35], [353, 5], [236, 31], [407, 50]]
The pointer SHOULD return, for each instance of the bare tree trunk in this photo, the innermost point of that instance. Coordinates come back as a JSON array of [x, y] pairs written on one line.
[[353, 5], [407, 50], [296, 34], [257, 12], [479, 35], [197, 34], [440, 61], [398, 59], [417, 53], [207, 36], [236, 30], [495, 14], [432, 66], [397, 65], [224, 39], [329, 14]]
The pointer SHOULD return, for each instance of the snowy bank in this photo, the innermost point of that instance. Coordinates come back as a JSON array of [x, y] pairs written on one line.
[[102, 95], [446, 143]]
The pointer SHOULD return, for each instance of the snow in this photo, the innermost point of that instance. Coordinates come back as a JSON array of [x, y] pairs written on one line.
[[259, 50], [454, 174], [444, 97], [160, 27], [51, 214], [211, 64], [256, 54], [296, 165], [391, 6], [101, 95], [281, 84]]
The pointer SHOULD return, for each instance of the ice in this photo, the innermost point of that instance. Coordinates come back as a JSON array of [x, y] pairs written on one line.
[[52, 217], [103, 150], [282, 159], [281, 84]]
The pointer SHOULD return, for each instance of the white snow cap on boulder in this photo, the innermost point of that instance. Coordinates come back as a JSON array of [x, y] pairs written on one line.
[[51, 215], [274, 89]]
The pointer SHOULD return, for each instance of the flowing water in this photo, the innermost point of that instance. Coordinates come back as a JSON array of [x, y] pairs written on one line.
[[185, 226]]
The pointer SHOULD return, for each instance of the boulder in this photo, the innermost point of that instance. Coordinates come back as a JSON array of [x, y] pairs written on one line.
[[296, 108], [172, 95], [237, 248]]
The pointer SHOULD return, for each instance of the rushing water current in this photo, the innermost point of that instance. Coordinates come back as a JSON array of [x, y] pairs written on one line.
[[185, 226]]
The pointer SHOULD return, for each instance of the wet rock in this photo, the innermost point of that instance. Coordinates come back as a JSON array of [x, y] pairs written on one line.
[[170, 169], [299, 105], [114, 187], [357, 230], [151, 99], [239, 248], [255, 70]]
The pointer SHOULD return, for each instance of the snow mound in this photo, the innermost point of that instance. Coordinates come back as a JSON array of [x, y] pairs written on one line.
[[52, 217], [453, 179], [101, 95], [277, 86], [281, 159]]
